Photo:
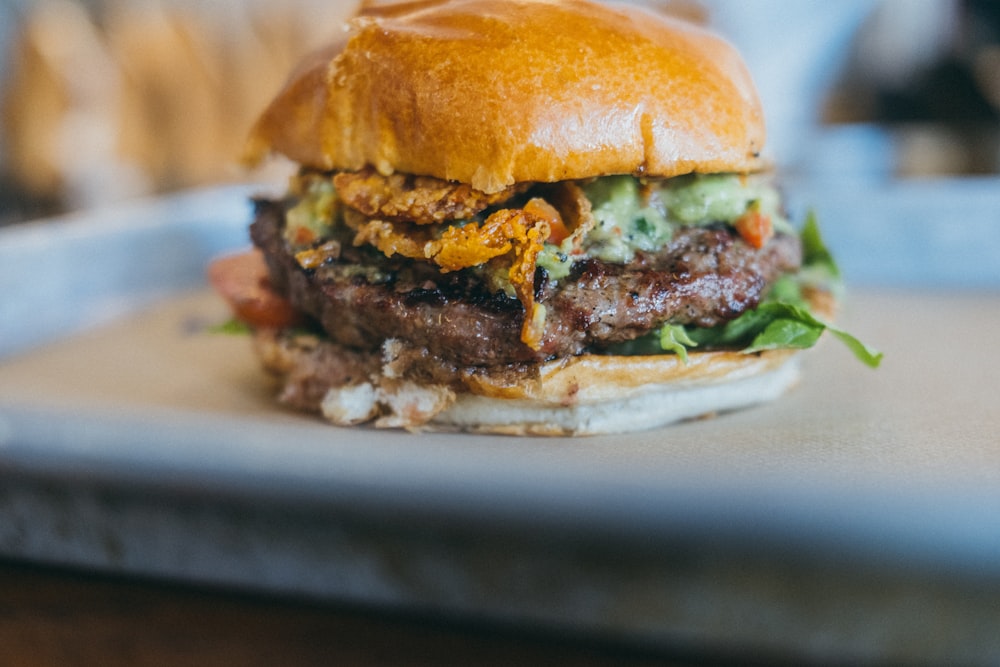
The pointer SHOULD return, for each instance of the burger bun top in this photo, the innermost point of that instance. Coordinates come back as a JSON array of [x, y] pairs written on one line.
[[493, 93]]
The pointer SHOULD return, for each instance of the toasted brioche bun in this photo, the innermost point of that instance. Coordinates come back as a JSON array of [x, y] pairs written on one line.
[[492, 93], [585, 395], [596, 395]]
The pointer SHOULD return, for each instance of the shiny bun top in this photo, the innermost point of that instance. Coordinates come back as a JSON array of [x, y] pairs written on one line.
[[493, 93]]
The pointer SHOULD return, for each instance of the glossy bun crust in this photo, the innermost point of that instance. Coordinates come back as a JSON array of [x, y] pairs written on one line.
[[492, 93]]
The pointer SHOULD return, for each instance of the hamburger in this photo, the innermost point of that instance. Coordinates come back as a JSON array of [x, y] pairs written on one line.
[[525, 217]]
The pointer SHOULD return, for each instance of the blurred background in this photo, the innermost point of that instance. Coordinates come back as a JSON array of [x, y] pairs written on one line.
[[105, 100]]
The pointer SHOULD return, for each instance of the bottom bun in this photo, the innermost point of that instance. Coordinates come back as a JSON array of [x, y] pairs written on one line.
[[650, 407], [586, 395]]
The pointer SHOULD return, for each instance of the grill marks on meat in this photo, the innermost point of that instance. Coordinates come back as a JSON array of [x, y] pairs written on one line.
[[705, 276], [420, 199]]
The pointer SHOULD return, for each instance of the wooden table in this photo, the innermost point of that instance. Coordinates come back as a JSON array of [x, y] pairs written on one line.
[[57, 617]]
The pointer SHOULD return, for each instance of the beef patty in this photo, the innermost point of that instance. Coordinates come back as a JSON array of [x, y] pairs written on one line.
[[705, 276]]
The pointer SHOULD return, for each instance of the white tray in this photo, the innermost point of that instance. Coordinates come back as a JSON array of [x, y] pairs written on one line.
[[858, 518]]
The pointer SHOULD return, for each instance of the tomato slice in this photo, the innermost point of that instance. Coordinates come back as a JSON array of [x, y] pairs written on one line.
[[542, 209], [242, 280], [755, 227]]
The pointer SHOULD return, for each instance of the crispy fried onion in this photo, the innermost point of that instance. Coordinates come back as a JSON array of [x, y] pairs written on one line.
[[421, 199], [507, 231], [562, 217]]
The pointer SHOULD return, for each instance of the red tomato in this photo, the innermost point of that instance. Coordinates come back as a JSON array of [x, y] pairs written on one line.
[[542, 209], [755, 228], [242, 280]]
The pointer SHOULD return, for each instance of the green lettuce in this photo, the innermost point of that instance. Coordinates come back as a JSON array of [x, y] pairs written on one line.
[[232, 326], [778, 325], [783, 320], [674, 338]]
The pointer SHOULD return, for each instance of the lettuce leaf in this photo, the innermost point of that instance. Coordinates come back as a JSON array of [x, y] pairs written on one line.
[[773, 325], [783, 320], [815, 254], [674, 338], [792, 326], [232, 326]]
